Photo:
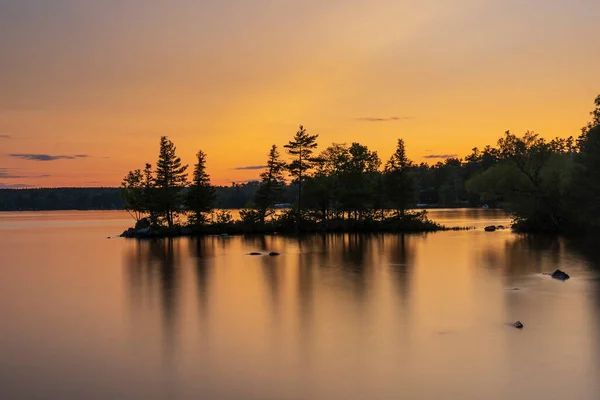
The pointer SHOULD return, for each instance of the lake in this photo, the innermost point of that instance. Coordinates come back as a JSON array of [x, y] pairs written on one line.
[[85, 316]]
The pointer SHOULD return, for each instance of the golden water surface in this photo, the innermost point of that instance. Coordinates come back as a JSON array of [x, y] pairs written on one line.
[[85, 316]]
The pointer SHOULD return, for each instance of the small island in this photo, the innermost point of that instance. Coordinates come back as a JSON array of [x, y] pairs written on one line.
[[341, 190], [345, 189]]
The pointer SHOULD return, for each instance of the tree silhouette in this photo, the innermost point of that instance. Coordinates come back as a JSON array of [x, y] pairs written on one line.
[[201, 195], [398, 183], [170, 181], [271, 186], [149, 194], [133, 194], [302, 149]]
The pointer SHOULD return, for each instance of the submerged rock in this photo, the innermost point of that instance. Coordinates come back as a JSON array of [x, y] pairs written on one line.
[[560, 275], [490, 228], [273, 253], [518, 325], [254, 253]]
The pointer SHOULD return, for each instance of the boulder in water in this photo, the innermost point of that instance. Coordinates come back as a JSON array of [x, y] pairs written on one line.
[[490, 228], [273, 253], [518, 325], [128, 233], [560, 275], [254, 253]]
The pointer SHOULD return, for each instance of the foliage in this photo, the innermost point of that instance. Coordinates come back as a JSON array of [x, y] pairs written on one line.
[[301, 148], [169, 181], [200, 197], [272, 185], [133, 193], [399, 184]]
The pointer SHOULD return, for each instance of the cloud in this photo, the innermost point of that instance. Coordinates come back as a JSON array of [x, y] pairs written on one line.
[[442, 156], [379, 119], [6, 173], [251, 167], [5, 137], [47, 157]]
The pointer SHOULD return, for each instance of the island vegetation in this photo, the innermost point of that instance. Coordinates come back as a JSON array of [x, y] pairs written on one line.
[[550, 186], [341, 189]]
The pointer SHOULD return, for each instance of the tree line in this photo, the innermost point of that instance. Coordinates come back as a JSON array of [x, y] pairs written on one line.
[[341, 183], [547, 185]]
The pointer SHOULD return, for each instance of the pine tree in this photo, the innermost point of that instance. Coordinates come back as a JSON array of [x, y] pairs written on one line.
[[149, 194], [201, 195], [301, 148], [398, 183], [170, 181], [271, 186]]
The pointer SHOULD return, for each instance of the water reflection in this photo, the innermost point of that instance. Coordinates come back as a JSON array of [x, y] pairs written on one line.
[[329, 304], [334, 317], [153, 273]]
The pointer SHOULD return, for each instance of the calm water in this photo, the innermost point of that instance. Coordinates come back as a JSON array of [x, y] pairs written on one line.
[[334, 317]]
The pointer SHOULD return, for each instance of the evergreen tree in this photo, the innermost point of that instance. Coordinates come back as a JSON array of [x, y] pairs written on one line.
[[302, 149], [201, 195], [398, 182], [149, 194], [170, 181], [272, 185]]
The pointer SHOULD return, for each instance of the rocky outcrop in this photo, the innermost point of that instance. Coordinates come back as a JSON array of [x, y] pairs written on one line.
[[560, 275]]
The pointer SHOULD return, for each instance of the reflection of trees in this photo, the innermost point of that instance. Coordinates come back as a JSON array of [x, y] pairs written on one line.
[[526, 254], [152, 267], [401, 254], [203, 250]]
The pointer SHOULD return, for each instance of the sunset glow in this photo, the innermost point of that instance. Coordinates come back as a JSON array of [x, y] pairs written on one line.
[[88, 87]]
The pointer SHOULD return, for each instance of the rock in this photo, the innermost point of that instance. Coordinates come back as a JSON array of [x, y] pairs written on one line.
[[273, 253], [490, 228], [142, 223], [128, 233], [518, 325], [560, 275], [500, 227], [255, 254]]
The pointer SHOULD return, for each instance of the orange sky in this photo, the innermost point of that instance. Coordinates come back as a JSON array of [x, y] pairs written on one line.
[[106, 79]]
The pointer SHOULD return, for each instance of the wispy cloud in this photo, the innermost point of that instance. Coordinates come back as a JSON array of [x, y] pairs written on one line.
[[251, 167], [381, 119], [5, 137], [10, 173], [441, 156], [47, 157]]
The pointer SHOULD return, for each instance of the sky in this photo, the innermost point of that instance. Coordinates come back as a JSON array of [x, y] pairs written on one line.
[[87, 87]]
